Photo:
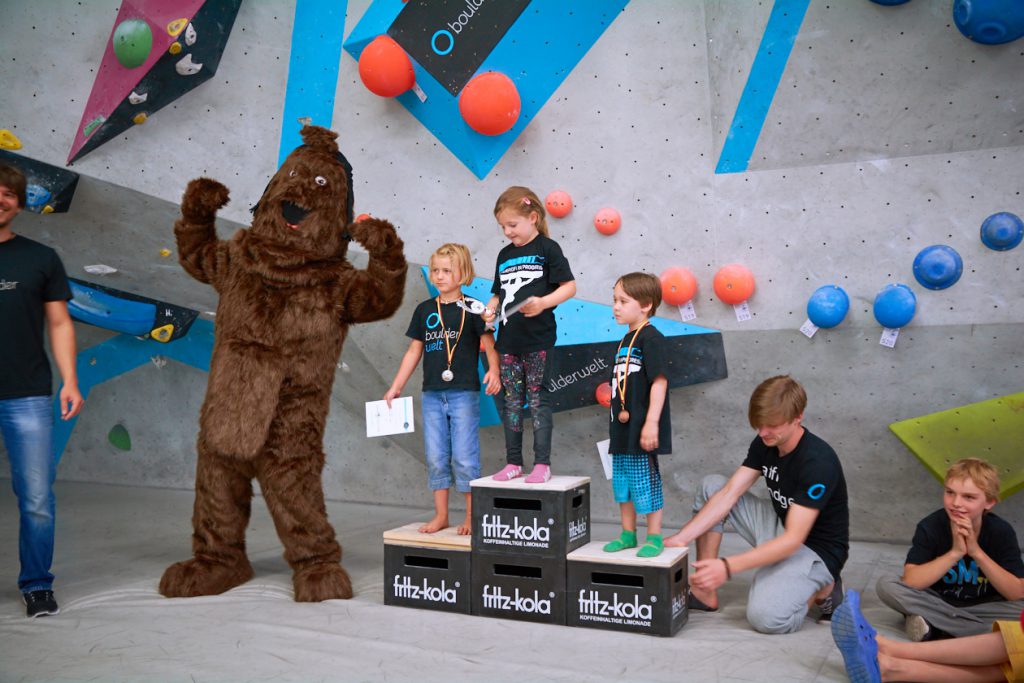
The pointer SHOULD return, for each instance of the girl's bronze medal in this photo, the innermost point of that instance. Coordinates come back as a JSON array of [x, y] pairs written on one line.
[[623, 415]]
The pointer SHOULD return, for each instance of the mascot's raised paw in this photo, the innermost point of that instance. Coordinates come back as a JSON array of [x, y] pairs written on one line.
[[375, 234], [202, 198]]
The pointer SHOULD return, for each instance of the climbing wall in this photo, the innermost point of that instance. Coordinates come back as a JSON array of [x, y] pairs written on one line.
[[814, 143]]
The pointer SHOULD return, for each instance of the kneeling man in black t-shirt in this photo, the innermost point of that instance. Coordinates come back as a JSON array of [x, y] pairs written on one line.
[[800, 537]]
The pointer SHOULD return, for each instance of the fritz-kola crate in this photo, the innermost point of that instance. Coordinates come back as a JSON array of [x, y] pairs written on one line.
[[430, 571], [528, 588], [535, 520], [623, 592]]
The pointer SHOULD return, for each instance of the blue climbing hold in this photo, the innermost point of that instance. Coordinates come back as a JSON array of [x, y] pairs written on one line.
[[828, 306], [36, 196], [895, 306], [1002, 231], [938, 266], [990, 22]]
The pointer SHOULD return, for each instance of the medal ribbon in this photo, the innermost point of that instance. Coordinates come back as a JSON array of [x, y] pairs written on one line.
[[620, 382], [450, 350]]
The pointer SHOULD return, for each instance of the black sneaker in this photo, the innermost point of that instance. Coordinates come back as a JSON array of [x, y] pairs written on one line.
[[828, 605], [40, 604]]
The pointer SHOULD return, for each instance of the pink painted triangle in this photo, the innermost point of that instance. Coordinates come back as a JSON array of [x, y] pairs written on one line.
[[114, 82]]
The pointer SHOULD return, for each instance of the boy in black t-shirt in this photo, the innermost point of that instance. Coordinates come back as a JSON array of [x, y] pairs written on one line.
[[639, 423], [964, 568], [33, 290], [800, 537], [449, 339]]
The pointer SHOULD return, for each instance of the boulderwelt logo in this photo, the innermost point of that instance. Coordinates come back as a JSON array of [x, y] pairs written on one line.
[[498, 530], [403, 587], [562, 381], [443, 40], [495, 598], [611, 609]]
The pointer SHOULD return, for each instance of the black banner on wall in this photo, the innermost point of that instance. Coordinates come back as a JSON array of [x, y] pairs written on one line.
[[452, 38], [574, 371]]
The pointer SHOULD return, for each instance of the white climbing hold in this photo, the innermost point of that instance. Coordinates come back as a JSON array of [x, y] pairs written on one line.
[[185, 67]]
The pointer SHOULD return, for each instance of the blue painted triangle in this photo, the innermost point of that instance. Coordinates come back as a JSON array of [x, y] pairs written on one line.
[[538, 52]]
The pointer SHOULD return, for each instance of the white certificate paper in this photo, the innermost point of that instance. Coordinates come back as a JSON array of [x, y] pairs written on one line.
[[606, 460], [381, 420]]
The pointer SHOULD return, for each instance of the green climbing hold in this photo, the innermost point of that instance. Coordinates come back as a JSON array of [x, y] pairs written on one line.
[[133, 40], [91, 127], [119, 438]]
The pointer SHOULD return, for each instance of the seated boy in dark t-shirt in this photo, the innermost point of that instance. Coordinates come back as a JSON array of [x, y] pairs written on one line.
[[964, 568]]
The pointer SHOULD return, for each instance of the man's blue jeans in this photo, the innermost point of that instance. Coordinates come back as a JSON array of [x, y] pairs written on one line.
[[27, 428]]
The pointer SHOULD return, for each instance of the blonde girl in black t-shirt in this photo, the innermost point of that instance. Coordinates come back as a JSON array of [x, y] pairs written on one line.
[[449, 338]]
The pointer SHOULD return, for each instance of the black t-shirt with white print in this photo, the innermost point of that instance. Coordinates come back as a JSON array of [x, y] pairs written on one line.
[[31, 274], [534, 269], [811, 476], [647, 360], [426, 327], [964, 583]]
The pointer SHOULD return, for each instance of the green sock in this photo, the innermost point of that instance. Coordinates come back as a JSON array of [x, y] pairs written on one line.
[[653, 546], [625, 540]]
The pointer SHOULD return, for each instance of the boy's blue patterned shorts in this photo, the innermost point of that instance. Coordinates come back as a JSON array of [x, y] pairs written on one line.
[[637, 479]]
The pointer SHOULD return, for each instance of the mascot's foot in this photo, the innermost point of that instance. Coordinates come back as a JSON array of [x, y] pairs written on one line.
[[196, 577], [323, 581]]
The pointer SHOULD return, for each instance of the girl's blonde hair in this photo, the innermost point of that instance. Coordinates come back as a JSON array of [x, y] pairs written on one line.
[[460, 258], [523, 201]]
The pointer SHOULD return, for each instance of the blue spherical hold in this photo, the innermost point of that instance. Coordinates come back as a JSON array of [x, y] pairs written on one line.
[[1002, 231], [990, 22], [828, 306], [895, 306], [938, 266]]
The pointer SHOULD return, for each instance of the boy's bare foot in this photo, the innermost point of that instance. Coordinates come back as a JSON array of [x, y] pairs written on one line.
[[709, 599], [436, 524], [466, 528]]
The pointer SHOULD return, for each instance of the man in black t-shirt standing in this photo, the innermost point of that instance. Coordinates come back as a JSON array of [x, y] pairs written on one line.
[[800, 537], [33, 289]]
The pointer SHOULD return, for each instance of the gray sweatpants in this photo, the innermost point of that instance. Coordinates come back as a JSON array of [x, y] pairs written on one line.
[[956, 621], [779, 593]]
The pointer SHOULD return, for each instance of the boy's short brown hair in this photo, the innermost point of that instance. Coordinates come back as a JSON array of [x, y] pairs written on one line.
[[14, 180], [983, 474], [460, 258], [775, 401], [643, 287]]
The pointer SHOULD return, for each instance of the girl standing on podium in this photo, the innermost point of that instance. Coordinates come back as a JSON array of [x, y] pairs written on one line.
[[448, 338], [639, 422], [532, 276]]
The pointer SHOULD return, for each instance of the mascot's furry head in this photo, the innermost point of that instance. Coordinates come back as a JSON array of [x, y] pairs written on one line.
[[308, 203]]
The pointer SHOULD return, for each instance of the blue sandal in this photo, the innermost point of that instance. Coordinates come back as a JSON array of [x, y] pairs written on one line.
[[855, 638]]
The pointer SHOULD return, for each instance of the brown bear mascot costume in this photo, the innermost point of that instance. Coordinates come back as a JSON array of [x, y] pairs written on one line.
[[287, 296]]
